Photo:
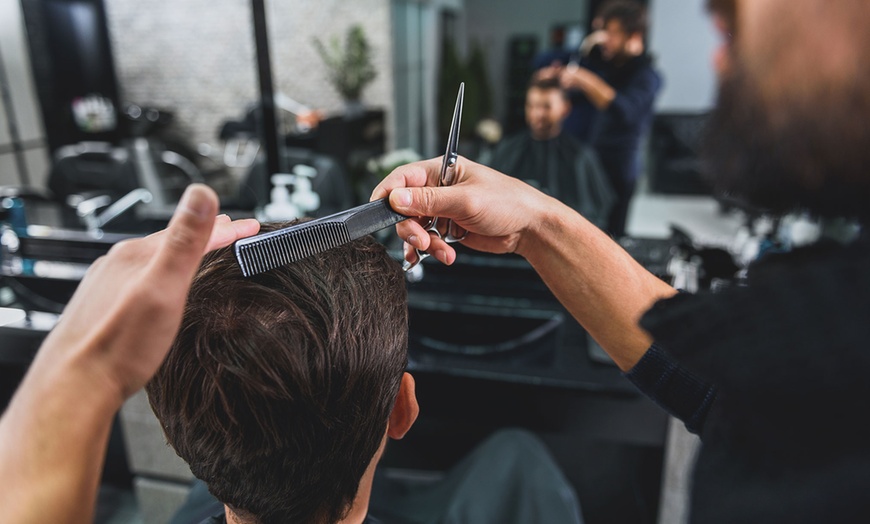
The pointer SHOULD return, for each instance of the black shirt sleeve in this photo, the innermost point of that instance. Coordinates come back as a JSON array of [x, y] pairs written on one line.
[[634, 101], [674, 388]]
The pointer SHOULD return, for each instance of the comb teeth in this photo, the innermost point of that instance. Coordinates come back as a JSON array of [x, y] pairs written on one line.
[[264, 254]]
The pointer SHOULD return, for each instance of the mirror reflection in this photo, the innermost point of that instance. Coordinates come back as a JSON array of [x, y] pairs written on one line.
[[360, 87]]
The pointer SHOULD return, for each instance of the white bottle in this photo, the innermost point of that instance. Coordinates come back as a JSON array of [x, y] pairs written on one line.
[[804, 231], [304, 196], [281, 206]]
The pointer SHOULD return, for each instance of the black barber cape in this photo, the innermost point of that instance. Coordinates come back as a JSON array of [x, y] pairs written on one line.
[[222, 519], [562, 167]]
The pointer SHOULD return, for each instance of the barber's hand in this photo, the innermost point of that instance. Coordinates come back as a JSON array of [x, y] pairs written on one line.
[[124, 315], [498, 211], [574, 77], [593, 39], [226, 231], [550, 72]]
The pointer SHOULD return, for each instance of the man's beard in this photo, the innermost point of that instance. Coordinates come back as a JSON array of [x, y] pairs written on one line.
[[788, 155]]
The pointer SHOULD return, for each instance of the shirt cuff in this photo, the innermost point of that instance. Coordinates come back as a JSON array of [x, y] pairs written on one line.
[[678, 391]]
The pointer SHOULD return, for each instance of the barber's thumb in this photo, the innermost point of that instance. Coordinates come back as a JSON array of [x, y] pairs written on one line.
[[191, 225], [418, 201]]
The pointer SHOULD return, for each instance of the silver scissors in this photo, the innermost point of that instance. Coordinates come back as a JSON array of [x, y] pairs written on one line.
[[448, 174]]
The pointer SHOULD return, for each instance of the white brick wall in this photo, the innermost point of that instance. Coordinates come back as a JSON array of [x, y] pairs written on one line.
[[197, 57]]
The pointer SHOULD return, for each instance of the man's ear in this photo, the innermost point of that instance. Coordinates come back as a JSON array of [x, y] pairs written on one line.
[[405, 410], [566, 108], [634, 46]]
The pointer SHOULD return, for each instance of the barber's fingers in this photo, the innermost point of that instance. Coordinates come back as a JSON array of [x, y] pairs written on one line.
[[224, 232], [227, 231], [416, 237], [185, 239], [446, 202], [412, 232], [417, 174], [438, 248]]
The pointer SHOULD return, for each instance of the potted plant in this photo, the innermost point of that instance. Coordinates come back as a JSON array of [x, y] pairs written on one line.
[[350, 68]]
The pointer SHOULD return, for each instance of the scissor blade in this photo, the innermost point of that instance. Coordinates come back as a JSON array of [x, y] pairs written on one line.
[[453, 137]]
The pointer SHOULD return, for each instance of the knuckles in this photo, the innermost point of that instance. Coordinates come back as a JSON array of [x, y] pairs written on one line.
[[126, 250]]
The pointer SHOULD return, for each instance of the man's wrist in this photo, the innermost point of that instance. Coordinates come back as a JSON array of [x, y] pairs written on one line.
[[78, 378], [548, 227]]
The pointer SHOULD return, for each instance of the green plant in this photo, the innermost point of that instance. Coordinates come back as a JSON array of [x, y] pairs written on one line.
[[478, 93], [351, 68]]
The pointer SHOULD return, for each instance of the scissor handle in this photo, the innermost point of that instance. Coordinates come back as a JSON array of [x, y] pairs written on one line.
[[448, 168], [431, 228], [447, 235], [448, 176]]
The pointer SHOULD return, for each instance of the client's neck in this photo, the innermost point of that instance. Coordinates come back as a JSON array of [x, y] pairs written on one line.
[[546, 135], [360, 507], [358, 510]]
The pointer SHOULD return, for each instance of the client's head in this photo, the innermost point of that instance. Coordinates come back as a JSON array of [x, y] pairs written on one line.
[[280, 389], [547, 106]]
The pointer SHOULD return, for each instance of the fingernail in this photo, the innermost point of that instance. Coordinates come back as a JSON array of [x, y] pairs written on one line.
[[403, 197], [414, 241], [195, 202], [441, 255]]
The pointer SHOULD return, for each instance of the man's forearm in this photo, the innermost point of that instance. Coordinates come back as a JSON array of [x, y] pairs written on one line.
[[53, 438], [599, 92], [596, 280]]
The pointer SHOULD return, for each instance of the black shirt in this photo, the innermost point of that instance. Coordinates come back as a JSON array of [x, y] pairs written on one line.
[[783, 436]]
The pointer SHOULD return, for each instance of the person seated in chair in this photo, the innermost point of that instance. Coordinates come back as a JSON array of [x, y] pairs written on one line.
[[546, 157], [281, 391]]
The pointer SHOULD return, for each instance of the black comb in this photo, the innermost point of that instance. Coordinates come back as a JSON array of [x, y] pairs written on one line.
[[261, 253]]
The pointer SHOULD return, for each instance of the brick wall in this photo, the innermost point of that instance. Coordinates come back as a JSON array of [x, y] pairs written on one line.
[[197, 57]]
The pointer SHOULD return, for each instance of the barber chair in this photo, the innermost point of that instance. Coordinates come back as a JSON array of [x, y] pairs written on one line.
[[89, 167], [141, 171], [241, 142]]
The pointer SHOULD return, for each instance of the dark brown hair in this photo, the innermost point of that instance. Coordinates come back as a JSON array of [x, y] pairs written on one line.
[[727, 9], [632, 15], [278, 388], [546, 84]]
